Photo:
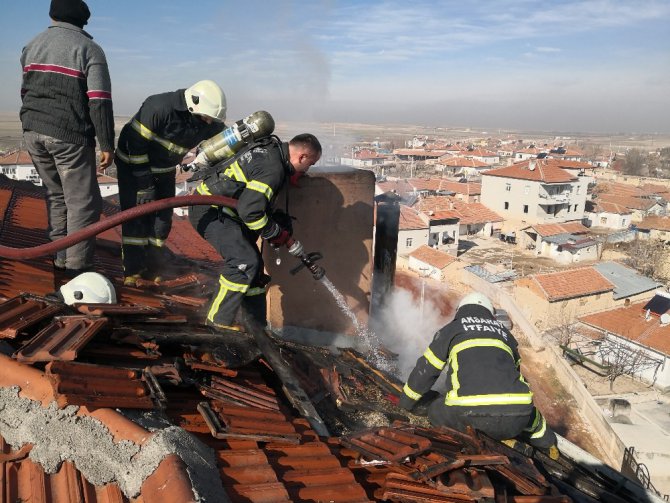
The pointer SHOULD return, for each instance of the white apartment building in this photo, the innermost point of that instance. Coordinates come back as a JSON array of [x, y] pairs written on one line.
[[534, 191], [19, 166]]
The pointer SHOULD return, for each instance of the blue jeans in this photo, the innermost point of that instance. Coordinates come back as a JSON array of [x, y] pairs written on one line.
[[68, 171]]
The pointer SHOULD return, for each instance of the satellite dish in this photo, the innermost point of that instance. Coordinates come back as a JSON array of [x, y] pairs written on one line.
[[665, 319]]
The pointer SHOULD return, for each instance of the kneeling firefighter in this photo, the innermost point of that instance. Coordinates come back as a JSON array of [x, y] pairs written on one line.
[[485, 387], [253, 176]]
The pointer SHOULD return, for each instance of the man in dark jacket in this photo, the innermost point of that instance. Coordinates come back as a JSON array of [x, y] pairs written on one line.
[[150, 146], [485, 388], [254, 179], [67, 102]]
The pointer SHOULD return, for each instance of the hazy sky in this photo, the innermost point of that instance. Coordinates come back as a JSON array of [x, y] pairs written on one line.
[[583, 65]]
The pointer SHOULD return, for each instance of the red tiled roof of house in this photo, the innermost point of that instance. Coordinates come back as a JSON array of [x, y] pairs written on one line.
[[458, 162], [656, 223], [630, 322], [468, 188], [546, 230], [411, 219], [529, 150], [572, 283], [432, 257], [20, 157], [599, 206], [566, 164], [419, 152], [543, 171], [632, 202], [478, 152], [448, 207], [399, 187]]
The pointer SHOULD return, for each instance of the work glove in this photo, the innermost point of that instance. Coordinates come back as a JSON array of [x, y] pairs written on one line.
[[280, 239], [146, 195]]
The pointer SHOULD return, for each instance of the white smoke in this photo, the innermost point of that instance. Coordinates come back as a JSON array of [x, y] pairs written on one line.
[[406, 328]]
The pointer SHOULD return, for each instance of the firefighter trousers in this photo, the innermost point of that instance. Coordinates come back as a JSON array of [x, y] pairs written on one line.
[[143, 238], [501, 422], [242, 281]]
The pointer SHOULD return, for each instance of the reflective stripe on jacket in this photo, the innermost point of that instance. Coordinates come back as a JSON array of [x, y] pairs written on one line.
[[254, 180], [482, 362]]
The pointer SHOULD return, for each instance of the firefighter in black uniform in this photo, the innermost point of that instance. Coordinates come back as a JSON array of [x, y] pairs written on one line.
[[150, 146], [253, 178], [485, 388]]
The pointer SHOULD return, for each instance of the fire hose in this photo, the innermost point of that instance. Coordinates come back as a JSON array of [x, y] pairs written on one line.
[[93, 230]]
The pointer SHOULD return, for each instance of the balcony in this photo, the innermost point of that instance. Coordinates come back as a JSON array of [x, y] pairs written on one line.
[[559, 198]]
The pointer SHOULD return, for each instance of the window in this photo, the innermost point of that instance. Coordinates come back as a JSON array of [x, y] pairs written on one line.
[[578, 189], [506, 205], [526, 189], [568, 208], [575, 207], [525, 208], [508, 187], [408, 242], [603, 220]]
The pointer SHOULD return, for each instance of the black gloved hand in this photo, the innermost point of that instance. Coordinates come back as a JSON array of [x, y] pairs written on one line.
[[280, 239], [284, 220], [146, 195]]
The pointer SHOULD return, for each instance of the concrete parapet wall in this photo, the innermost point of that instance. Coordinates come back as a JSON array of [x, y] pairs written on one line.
[[609, 442]]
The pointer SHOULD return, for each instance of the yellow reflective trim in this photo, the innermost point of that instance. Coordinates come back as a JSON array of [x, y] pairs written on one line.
[[258, 224], [452, 397], [160, 171], [157, 242], [434, 360], [126, 240], [543, 429], [203, 189], [493, 399], [410, 392], [132, 159], [147, 133], [224, 288], [235, 287], [261, 187], [255, 291], [237, 172]]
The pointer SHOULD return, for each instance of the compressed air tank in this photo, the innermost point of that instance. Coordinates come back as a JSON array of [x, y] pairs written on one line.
[[229, 141]]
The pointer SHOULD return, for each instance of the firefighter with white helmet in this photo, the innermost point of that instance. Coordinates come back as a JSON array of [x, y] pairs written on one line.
[[485, 388], [150, 147]]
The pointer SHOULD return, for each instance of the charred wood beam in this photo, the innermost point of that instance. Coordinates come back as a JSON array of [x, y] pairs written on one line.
[[290, 383]]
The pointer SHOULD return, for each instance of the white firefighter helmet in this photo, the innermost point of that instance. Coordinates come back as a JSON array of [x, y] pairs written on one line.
[[206, 98], [88, 288], [477, 298]]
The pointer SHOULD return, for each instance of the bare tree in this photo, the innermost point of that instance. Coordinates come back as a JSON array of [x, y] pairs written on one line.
[[647, 257], [621, 358], [635, 163]]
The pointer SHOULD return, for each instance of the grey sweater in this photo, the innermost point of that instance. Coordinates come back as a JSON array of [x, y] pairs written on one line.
[[66, 89]]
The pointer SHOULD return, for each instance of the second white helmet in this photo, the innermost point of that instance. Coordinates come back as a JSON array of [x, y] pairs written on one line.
[[88, 288], [206, 98], [479, 299]]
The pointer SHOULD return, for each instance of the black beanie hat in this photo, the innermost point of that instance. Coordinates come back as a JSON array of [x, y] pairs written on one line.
[[70, 11]]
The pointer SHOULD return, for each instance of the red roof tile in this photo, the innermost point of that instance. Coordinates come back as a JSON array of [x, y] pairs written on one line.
[[572, 283], [19, 157], [546, 230], [631, 323], [449, 207], [430, 256], [411, 219], [655, 222], [463, 162], [542, 171]]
